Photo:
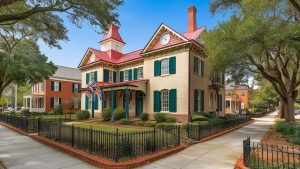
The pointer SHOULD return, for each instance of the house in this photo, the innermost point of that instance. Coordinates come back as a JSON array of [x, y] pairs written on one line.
[[169, 75], [62, 88], [238, 98]]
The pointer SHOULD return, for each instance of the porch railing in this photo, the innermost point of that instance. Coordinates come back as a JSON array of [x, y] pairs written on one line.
[[259, 155]]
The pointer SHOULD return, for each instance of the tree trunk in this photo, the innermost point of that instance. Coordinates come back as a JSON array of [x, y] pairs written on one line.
[[281, 109], [289, 114]]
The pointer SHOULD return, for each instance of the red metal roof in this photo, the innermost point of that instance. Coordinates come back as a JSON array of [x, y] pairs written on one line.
[[113, 33], [193, 35]]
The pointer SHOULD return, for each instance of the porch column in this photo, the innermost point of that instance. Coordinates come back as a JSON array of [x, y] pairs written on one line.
[[92, 100], [230, 110], [112, 103], [127, 102], [30, 104]]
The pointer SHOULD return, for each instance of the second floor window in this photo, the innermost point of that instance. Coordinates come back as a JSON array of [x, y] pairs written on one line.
[[110, 76], [92, 74], [42, 86], [243, 93], [56, 86], [125, 75], [165, 66], [140, 73], [75, 87]]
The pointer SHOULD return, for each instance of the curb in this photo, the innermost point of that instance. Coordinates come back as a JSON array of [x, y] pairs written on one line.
[[97, 160]]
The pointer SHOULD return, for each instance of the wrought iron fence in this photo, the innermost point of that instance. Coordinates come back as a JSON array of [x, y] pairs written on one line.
[[29, 125], [113, 145], [259, 155], [200, 131]]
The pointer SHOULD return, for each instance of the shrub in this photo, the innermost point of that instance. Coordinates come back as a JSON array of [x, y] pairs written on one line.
[[170, 119], [150, 123], [25, 112], [199, 122], [106, 114], [199, 118], [126, 147], [160, 117], [125, 121], [119, 113], [139, 123], [165, 126], [82, 114], [59, 110], [51, 113], [144, 116]]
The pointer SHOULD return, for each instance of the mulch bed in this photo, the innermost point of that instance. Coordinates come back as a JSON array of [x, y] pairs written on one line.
[[276, 138]]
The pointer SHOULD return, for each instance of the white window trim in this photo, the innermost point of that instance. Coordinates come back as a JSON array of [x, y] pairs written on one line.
[[164, 69], [92, 74], [140, 73], [76, 87], [56, 101], [126, 76], [110, 76], [56, 86]]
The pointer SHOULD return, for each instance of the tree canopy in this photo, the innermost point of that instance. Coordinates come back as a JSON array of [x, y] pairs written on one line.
[[262, 39]]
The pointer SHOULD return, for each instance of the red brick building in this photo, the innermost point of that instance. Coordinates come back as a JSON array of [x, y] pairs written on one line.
[[62, 88]]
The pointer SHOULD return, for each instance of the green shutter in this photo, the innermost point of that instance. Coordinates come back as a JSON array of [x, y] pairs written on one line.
[[121, 76], [157, 68], [220, 98], [196, 65], [172, 65], [95, 100], [135, 74], [172, 100], [115, 76], [202, 100], [87, 78], [95, 76], [106, 75], [130, 74], [86, 102], [196, 100], [202, 68], [156, 102]]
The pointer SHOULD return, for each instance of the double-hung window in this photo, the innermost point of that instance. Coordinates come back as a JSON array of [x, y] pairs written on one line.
[[165, 100], [91, 76], [110, 76], [165, 66], [76, 88], [125, 75], [140, 73], [56, 101], [56, 86], [199, 67]]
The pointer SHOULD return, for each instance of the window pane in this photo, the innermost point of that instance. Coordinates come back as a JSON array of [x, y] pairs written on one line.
[[165, 66], [165, 100], [56, 86], [140, 72], [110, 76], [126, 75], [56, 102]]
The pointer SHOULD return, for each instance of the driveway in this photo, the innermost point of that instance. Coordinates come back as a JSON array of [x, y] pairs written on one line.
[[218, 153], [21, 152]]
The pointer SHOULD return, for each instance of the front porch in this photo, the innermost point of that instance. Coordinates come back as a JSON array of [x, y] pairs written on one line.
[[34, 103], [130, 95]]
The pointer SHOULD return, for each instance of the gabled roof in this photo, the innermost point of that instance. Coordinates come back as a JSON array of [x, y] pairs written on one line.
[[113, 33], [63, 72], [193, 35]]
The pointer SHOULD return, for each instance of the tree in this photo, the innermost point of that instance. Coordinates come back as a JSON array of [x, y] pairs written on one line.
[[25, 64], [264, 97], [265, 43], [96, 12]]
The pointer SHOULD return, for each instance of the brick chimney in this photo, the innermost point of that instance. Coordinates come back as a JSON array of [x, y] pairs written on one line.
[[192, 24]]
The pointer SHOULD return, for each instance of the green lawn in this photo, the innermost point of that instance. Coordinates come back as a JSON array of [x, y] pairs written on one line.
[[298, 121], [112, 128], [67, 116]]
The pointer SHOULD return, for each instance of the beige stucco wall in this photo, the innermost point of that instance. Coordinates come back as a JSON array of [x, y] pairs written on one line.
[[177, 81], [199, 82]]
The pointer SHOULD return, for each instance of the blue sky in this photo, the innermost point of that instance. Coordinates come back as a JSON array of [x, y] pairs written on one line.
[[139, 19]]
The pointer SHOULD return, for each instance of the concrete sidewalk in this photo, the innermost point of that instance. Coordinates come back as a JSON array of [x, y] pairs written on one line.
[[21, 152], [218, 153]]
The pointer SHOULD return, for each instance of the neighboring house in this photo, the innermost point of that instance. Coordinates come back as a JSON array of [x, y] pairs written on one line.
[[242, 94], [169, 75], [232, 102], [62, 88]]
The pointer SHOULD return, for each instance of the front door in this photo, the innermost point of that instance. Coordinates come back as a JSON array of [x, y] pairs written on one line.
[[139, 103]]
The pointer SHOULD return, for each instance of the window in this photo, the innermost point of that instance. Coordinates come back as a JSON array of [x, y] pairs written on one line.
[[165, 100], [91, 76], [75, 102], [211, 100], [56, 101], [140, 73], [165, 66], [199, 67], [56, 86], [125, 75], [76, 88], [42, 86], [243, 93], [110, 76], [227, 104]]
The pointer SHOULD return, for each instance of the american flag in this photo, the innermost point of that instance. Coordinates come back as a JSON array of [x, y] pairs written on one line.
[[101, 95], [97, 91], [86, 92], [90, 85]]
